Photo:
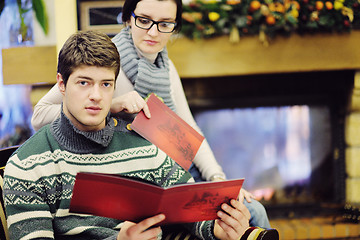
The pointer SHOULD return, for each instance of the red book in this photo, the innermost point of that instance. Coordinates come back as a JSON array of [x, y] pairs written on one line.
[[130, 199], [168, 132]]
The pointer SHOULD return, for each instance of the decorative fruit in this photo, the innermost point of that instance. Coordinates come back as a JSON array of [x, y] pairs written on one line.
[[233, 2], [338, 5], [319, 5], [328, 5], [346, 23], [254, 5], [295, 4], [270, 20], [213, 16], [249, 19], [294, 13], [279, 7]]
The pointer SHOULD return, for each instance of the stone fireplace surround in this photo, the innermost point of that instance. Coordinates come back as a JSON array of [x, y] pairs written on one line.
[[329, 88]]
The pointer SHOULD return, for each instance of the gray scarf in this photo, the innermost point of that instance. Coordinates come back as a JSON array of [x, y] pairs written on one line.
[[146, 77]]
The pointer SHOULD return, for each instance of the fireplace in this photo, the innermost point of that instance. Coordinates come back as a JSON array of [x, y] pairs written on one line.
[[237, 111]]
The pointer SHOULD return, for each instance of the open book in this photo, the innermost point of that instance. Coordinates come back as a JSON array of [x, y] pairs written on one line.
[[169, 132], [132, 199]]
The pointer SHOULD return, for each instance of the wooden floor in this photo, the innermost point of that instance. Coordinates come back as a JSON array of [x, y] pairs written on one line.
[[316, 228]]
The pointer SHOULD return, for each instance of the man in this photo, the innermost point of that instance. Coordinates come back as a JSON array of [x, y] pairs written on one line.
[[39, 177]]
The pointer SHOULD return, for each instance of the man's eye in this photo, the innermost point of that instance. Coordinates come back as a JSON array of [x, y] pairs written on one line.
[[107, 84], [83, 83]]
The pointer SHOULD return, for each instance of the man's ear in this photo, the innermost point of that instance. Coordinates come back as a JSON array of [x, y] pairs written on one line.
[[61, 83]]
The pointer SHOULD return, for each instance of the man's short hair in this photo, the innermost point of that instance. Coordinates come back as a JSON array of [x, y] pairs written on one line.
[[88, 48]]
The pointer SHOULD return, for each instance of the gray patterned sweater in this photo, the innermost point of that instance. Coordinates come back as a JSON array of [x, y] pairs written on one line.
[[39, 179]]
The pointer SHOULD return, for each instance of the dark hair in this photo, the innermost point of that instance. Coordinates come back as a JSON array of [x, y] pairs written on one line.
[[88, 48], [130, 5]]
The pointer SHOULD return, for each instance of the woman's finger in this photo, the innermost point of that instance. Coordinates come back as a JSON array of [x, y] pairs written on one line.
[[146, 111]]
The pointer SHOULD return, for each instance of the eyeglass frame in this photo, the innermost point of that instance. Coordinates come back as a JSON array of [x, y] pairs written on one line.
[[153, 22]]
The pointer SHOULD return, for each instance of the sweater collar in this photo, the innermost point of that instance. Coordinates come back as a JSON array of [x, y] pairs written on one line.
[[76, 141]]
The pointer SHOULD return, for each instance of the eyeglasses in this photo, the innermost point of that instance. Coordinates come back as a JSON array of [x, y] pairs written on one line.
[[146, 23]]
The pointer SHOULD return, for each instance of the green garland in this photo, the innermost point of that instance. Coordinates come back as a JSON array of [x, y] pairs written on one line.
[[268, 18]]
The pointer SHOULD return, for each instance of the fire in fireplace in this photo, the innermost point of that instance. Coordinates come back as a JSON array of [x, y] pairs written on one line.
[[282, 132]]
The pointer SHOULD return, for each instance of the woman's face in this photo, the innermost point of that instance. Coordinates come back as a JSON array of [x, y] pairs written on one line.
[[151, 40]]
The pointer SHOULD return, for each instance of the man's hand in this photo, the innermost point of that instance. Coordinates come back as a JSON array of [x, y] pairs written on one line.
[[130, 102], [141, 230], [233, 222]]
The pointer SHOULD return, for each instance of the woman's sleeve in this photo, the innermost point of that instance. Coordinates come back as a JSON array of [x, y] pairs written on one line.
[[47, 109], [204, 159]]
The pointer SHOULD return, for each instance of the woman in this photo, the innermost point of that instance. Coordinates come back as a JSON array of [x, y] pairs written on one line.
[[146, 68]]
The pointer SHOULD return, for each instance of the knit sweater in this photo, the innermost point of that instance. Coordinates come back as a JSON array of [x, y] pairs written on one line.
[[40, 176], [49, 108]]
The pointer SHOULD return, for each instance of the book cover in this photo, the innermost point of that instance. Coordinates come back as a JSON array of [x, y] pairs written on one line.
[[130, 199], [169, 132]]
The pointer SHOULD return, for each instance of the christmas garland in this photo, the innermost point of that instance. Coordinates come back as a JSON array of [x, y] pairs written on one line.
[[268, 18]]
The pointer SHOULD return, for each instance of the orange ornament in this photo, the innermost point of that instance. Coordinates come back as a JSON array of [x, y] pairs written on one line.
[[329, 5], [233, 2], [270, 20], [279, 7], [272, 7], [319, 5], [296, 4], [254, 5]]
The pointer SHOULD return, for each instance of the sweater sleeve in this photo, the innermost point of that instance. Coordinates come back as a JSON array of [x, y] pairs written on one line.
[[204, 159], [28, 215], [202, 230], [47, 109]]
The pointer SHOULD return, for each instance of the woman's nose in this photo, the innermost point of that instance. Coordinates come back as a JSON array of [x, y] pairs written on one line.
[[153, 31]]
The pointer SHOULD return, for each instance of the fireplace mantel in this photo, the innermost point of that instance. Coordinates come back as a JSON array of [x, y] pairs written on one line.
[[213, 57], [219, 57]]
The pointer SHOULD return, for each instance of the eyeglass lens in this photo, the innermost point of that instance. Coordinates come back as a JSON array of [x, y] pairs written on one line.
[[146, 23]]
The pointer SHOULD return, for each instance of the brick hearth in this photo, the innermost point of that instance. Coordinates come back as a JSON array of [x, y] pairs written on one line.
[[316, 228]]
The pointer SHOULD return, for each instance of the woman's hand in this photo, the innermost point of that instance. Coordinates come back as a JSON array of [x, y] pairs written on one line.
[[141, 230], [130, 102], [233, 222], [245, 194]]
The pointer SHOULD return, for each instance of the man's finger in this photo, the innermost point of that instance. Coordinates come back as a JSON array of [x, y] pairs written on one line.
[[242, 208], [149, 222]]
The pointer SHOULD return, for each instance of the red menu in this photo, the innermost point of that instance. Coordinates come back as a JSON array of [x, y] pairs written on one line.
[[168, 132], [125, 198]]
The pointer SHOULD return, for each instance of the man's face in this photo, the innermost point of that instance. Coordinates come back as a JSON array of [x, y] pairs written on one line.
[[87, 96]]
